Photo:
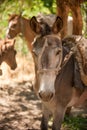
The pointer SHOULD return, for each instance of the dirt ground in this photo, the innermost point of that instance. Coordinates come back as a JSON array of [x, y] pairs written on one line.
[[20, 108]]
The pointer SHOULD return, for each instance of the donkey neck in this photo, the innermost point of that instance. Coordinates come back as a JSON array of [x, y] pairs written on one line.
[[27, 32]]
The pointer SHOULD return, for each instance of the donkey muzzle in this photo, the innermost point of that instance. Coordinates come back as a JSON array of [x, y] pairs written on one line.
[[45, 96]]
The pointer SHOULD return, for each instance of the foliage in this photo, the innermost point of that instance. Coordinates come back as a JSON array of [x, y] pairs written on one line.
[[28, 8], [49, 4], [75, 123]]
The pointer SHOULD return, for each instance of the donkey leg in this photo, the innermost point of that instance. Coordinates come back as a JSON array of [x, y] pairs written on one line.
[[45, 118], [68, 110], [58, 118]]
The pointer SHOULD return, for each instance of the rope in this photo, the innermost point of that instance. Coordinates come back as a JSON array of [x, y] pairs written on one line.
[[58, 68]]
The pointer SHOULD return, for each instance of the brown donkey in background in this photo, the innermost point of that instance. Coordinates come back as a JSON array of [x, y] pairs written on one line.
[[19, 24], [54, 81], [8, 53]]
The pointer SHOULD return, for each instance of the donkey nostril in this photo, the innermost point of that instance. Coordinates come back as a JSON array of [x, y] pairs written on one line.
[[40, 95], [51, 95], [45, 96], [14, 67]]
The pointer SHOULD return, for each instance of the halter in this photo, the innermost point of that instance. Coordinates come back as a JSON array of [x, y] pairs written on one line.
[[56, 69]]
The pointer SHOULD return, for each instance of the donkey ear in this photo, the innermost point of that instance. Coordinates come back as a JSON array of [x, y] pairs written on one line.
[[58, 24], [35, 25]]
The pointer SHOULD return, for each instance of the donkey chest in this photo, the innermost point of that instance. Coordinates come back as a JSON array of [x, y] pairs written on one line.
[[50, 105]]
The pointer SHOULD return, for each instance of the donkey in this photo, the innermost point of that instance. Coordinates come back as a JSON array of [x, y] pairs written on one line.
[[54, 71], [17, 25], [8, 53]]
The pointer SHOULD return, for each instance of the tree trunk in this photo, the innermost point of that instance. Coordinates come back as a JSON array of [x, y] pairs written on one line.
[[63, 8], [77, 19]]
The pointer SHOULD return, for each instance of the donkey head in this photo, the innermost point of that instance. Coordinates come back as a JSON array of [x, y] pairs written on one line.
[[14, 26], [8, 53], [47, 53]]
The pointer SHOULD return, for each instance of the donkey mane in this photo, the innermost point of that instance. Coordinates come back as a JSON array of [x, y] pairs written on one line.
[[46, 29], [13, 16]]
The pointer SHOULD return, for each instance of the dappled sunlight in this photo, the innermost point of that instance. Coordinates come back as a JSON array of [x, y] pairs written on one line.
[[20, 108]]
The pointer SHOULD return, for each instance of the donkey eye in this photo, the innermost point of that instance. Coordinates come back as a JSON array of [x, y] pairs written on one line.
[[14, 26], [15, 52], [57, 51]]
